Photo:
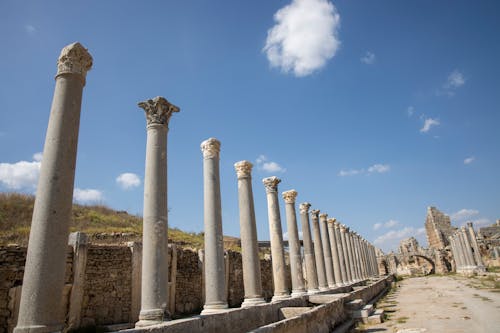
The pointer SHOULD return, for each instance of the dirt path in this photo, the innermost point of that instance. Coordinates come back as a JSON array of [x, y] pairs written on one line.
[[440, 304]]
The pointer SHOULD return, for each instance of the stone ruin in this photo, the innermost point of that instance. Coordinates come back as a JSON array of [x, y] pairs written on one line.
[[341, 272]]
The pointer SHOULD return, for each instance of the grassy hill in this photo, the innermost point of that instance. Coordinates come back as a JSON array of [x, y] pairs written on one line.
[[102, 224]]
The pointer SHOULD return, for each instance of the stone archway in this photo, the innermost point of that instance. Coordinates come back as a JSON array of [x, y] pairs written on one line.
[[429, 260]]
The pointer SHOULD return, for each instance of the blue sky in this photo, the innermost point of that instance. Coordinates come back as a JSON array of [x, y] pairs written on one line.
[[371, 110]]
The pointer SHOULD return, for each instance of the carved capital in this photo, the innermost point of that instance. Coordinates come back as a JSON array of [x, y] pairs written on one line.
[[243, 169], [271, 184], [210, 148], [323, 216], [343, 228], [331, 221], [314, 214], [304, 207], [289, 196], [336, 224], [158, 110], [74, 59]]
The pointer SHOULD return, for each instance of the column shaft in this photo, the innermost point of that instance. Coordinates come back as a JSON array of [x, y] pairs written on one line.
[[335, 255], [475, 246], [346, 253], [311, 273], [318, 252], [340, 251], [327, 252]]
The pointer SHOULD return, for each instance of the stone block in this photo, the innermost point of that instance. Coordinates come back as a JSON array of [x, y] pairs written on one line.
[[354, 305], [325, 298], [286, 313], [377, 317]]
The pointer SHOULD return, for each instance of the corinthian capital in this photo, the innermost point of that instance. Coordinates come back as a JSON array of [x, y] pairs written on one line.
[[343, 228], [331, 221], [314, 214], [210, 148], [158, 110], [304, 207], [289, 196], [323, 216], [271, 184], [243, 169], [74, 59]]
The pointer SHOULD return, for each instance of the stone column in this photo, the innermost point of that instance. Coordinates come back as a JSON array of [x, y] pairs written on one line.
[[294, 244], [248, 233], [340, 251], [467, 247], [311, 274], [460, 253], [40, 308], [359, 241], [343, 239], [78, 240], [335, 255], [318, 252], [475, 246], [355, 256], [154, 293], [454, 252], [276, 234], [367, 256], [215, 282], [327, 252]]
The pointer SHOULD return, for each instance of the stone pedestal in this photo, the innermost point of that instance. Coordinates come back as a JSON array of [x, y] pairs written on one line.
[[154, 286], [335, 254], [276, 233], [40, 308], [294, 244], [311, 274], [248, 233], [318, 251], [215, 282]]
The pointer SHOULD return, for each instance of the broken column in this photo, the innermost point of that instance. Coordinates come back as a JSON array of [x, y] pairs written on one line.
[[248, 232], [154, 286], [294, 244], [335, 254], [327, 252], [318, 252], [40, 308], [311, 274], [475, 246], [215, 282], [276, 234]]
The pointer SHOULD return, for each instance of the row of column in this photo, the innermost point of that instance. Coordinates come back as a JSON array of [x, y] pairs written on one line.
[[465, 250]]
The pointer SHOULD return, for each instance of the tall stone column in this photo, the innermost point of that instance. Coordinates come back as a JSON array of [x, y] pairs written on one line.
[[351, 255], [318, 252], [355, 255], [40, 308], [475, 246], [343, 239], [215, 282], [460, 252], [359, 241], [458, 264], [340, 251], [335, 255], [468, 250], [154, 286], [276, 234], [294, 244], [248, 232], [327, 252], [311, 274]]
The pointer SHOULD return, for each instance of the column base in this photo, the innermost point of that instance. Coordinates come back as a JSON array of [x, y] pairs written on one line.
[[324, 289], [298, 293], [214, 308], [39, 328], [313, 291], [253, 301], [152, 317], [277, 298]]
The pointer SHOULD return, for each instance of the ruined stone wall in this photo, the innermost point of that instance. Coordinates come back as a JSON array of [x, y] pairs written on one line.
[[12, 260], [189, 283], [438, 228]]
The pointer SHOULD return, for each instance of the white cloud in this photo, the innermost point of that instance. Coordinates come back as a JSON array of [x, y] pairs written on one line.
[[469, 160], [268, 166], [87, 195], [391, 239], [428, 123], [285, 235], [37, 157], [388, 224], [464, 214], [22, 174], [369, 58], [455, 80], [377, 226], [304, 37], [128, 180], [410, 111], [376, 168], [29, 29]]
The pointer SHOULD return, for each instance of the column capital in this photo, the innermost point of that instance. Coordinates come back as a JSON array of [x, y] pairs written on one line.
[[314, 213], [470, 225], [343, 228], [271, 184], [323, 216], [336, 224], [210, 148], [290, 196], [243, 169], [304, 207], [158, 110], [74, 59], [331, 221]]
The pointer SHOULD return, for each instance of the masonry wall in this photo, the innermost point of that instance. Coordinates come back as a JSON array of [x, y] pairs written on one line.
[[109, 285]]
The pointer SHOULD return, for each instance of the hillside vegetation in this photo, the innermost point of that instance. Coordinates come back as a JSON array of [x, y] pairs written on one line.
[[102, 224]]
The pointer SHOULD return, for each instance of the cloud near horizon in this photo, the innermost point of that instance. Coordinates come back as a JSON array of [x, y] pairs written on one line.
[[376, 168], [86, 196], [388, 224], [390, 240], [128, 180], [268, 166], [22, 175], [304, 37]]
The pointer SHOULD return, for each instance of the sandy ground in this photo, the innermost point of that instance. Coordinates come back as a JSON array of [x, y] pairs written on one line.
[[440, 304]]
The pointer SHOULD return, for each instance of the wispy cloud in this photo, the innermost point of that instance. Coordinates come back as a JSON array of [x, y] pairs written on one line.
[[388, 224], [369, 58], [30, 29], [22, 175], [304, 37], [410, 111], [376, 168], [268, 166], [128, 180], [428, 124], [469, 160], [454, 81], [390, 240], [465, 215], [86, 196], [285, 235]]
